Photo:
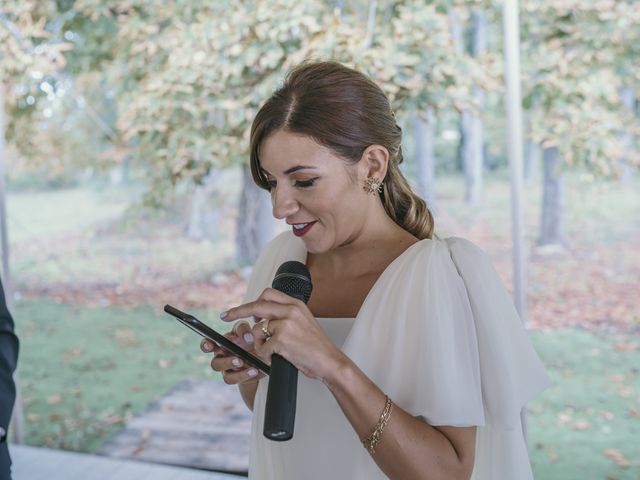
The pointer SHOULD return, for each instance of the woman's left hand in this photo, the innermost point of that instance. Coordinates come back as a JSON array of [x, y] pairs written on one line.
[[293, 332]]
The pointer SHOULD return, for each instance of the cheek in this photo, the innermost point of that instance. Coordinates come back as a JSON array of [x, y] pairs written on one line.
[[341, 207]]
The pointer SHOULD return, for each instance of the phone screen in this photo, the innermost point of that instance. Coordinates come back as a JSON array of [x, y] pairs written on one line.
[[197, 326]]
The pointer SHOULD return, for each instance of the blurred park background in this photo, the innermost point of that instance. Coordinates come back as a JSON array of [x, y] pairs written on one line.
[[125, 127]]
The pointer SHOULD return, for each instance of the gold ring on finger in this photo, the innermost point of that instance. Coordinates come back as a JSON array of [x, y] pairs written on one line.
[[265, 329]]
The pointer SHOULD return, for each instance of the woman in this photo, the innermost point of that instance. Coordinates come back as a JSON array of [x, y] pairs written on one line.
[[415, 363]]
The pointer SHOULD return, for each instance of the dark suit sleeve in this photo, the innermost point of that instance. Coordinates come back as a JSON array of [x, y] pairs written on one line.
[[8, 361]]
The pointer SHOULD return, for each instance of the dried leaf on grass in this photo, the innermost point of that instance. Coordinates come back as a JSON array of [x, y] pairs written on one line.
[[144, 439], [54, 399], [625, 391], [617, 457], [114, 419], [581, 425], [626, 346], [126, 338], [607, 415]]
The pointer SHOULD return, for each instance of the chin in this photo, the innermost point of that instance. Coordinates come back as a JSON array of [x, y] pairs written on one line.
[[315, 247]]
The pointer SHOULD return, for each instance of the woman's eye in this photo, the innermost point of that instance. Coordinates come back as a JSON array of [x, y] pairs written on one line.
[[306, 183]]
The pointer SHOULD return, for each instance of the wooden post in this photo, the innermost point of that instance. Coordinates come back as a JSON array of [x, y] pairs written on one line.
[[513, 102], [17, 417]]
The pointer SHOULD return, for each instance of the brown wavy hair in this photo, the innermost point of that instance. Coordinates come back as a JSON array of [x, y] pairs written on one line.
[[345, 111]]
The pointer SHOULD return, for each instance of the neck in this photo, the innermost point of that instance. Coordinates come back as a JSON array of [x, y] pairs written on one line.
[[378, 237]]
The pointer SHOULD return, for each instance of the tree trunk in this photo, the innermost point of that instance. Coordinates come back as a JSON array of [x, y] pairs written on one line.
[[531, 153], [471, 129], [255, 225], [474, 151], [119, 175], [204, 218], [464, 125], [424, 138], [625, 170], [552, 228], [531, 160], [371, 23]]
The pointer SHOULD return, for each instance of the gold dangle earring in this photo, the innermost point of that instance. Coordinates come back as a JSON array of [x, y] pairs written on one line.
[[372, 185]]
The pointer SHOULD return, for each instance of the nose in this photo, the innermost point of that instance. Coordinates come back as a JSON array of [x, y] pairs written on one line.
[[284, 203]]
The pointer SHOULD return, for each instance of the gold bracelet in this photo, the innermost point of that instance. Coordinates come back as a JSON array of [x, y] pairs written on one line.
[[372, 440]]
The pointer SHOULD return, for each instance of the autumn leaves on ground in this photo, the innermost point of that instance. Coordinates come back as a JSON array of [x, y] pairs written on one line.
[[91, 277]]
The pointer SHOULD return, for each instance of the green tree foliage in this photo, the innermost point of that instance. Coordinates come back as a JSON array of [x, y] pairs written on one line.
[[190, 77], [578, 54], [176, 84], [48, 130]]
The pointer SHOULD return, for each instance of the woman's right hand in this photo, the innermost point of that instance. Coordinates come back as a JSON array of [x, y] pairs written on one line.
[[233, 369]]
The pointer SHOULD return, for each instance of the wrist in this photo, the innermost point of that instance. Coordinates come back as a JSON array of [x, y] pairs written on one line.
[[341, 370]]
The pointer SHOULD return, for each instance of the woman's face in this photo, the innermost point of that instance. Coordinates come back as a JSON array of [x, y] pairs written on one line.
[[313, 190]]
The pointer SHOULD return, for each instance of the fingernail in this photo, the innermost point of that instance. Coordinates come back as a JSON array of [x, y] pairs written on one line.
[[236, 362], [207, 346], [252, 372], [248, 337], [224, 315]]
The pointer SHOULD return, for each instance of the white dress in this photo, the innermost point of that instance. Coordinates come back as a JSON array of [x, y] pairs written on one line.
[[439, 334]]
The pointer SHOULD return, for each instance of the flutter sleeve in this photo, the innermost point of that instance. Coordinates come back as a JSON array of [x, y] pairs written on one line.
[[510, 369], [440, 334], [415, 337]]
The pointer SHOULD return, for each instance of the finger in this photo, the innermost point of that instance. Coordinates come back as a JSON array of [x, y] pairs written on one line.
[[207, 346], [222, 363], [263, 331], [258, 309], [231, 377], [242, 331], [266, 345], [265, 349], [273, 295]]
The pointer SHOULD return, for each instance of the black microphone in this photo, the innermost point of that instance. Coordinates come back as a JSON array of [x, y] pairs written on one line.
[[292, 278]]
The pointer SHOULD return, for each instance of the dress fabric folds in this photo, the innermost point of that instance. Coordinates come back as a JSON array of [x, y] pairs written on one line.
[[439, 334]]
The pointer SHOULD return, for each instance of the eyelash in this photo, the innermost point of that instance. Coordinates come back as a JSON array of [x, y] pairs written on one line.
[[299, 183]]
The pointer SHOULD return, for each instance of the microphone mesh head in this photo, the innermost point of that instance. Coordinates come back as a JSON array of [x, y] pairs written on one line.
[[294, 279]]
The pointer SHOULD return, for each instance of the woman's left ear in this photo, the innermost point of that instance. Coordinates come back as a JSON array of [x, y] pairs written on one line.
[[374, 162]]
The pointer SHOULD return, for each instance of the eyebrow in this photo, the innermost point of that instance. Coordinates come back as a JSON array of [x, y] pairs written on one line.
[[292, 169]]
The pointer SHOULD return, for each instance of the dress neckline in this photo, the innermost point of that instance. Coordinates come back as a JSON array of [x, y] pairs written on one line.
[[378, 280]]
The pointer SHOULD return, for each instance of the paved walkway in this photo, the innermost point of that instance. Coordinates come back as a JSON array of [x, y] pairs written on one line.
[[197, 424], [30, 463]]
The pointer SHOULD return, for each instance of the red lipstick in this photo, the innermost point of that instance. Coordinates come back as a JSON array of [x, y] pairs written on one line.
[[302, 231]]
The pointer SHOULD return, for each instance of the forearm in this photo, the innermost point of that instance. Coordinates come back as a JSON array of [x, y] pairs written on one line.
[[408, 448]]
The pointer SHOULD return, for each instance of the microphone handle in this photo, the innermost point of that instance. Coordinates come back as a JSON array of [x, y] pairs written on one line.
[[280, 408]]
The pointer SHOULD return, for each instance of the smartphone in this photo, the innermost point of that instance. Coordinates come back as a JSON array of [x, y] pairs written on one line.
[[197, 326]]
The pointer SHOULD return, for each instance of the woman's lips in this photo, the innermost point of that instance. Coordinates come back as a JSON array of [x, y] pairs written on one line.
[[299, 232]]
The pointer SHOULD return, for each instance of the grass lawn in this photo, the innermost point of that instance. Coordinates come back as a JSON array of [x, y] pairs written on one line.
[[587, 425], [96, 348], [84, 371]]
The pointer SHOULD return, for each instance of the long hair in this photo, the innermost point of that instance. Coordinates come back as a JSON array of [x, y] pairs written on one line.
[[346, 112]]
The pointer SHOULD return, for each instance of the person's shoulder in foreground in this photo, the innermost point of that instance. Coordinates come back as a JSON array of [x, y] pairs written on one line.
[[8, 360]]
